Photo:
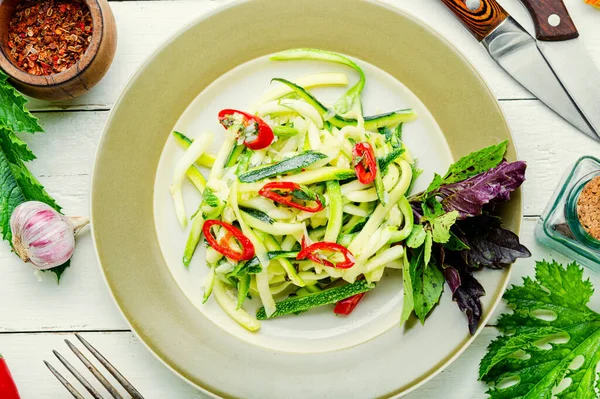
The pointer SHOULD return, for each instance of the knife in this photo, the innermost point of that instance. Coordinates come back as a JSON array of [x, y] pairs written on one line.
[[515, 50], [558, 41]]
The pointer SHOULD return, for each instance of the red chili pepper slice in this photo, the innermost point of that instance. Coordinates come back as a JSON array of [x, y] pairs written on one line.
[[8, 388], [283, 193], [312, 252], [346, 306], [223, 247], [365, 163], [262, 131]]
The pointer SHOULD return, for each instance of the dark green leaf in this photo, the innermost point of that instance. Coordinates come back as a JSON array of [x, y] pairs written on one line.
[[13, 114], [427, 284], [416, 237], [470, 165], [564, 294], [455, 243], [17, 184]]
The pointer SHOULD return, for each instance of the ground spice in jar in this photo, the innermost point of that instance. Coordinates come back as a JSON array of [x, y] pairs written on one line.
[[588, 207], [49, 36]]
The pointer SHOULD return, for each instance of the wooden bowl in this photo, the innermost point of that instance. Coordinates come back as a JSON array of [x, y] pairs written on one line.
[[78, 79]]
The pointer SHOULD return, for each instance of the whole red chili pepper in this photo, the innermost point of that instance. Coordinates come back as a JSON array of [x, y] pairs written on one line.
[[224, 248], [346, 306], [8, 389], [312, 252], [262, 131], [274, 190], [365, 163]]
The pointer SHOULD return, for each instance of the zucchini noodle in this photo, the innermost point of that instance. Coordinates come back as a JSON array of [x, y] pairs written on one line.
[[302, 197]]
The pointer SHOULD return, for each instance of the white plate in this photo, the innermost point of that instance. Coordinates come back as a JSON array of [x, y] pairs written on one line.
[[318, 330]]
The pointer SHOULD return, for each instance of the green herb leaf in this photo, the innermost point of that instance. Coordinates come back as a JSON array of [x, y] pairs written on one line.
[[13, 114], [416, 172], [441, 226], [408, 304], [416, 237], [18, 149], [17, 184], [455, 243], [427, 248], [475, 163], [470, 165], [427, 283], [563, 293]]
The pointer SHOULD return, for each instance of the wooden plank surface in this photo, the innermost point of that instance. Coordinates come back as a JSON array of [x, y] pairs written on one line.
[[37, 316], [157, 20]]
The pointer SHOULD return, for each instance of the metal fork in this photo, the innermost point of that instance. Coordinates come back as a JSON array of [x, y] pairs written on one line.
[[113, 371]]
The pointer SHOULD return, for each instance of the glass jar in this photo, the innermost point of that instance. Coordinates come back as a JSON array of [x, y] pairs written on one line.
[[559, 226]]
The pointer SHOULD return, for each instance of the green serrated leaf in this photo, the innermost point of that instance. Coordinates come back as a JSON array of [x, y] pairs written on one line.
[[17, 185], [470, 165], [563, 293], [18, 149], [416, 237], [475, 163], [13, 114], [59, 270]]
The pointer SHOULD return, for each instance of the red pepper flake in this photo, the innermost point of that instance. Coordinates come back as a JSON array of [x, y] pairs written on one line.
[[49, 36]]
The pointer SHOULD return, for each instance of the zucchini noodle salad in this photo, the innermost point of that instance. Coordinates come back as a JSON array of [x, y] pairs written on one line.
[[305, 204]]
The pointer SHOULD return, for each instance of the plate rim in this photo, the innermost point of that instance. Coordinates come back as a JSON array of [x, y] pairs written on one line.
[[435, 369]]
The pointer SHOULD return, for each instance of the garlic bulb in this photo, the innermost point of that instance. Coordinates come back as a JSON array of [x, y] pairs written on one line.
[[43, 236]]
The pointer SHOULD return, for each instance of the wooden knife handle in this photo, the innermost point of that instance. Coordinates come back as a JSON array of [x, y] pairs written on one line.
[[480, 17], [551, 19]]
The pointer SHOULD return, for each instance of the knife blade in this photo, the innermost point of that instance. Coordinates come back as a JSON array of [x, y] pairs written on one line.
[[558, 40], [515, 50]]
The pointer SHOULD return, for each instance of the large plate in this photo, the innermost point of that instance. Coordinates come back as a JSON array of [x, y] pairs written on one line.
[[126, 210]]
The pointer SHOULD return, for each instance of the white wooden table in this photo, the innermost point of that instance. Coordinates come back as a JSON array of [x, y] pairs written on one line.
[[35, 317]]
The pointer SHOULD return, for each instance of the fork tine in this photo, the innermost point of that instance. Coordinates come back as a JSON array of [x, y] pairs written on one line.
[[79, 377], [112, 390], [111, 369], [63, 381]]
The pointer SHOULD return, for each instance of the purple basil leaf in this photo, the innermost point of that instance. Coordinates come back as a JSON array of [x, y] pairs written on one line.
[[467, 297], [469, 196], [489, 244], [466, 290], [452, 277]]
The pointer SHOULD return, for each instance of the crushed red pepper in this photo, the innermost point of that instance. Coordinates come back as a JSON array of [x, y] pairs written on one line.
[[49, 36]]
